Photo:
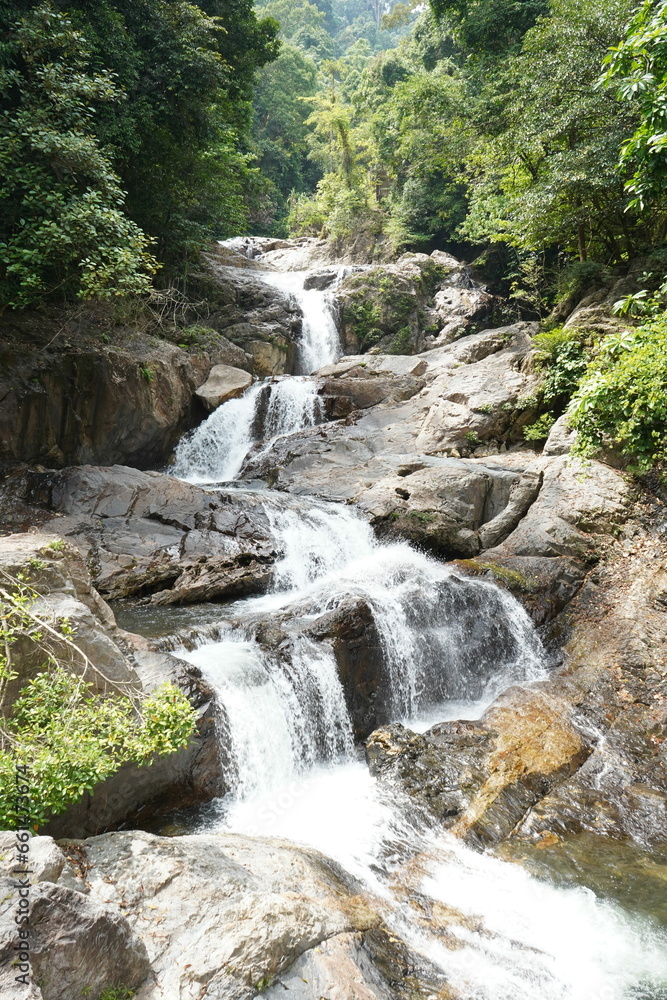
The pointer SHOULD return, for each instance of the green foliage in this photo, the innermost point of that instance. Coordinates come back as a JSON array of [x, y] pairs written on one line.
[[364, 316], [60, 199], [539, 429], [622, 401], [121, 119], [64, 734], [117, 993], [637, 71]]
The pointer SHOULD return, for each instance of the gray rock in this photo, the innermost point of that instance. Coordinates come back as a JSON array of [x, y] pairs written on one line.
[[145, 533], [222, 913], [561, 438], [223, 383]]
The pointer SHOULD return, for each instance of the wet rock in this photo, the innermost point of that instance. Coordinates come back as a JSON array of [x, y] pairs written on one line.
[[151, 535], [480, 779], [223, 383], [321, 279], [616, 641], [351, 631], [225, 914], [257, 317]]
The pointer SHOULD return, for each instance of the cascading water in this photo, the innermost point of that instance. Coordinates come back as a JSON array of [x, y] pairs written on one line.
[[320, 343], [216, 450], [450, 645], [289, 757]]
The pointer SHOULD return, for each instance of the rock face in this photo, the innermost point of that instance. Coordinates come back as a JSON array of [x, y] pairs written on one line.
[[148, 535], [262, 320], [223, 383], [234, 912], [110, 660], [82, 401], [78, 946], [420, 301]]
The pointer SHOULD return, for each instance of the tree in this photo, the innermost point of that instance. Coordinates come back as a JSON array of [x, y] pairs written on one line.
[[62, 226], [637, 71]]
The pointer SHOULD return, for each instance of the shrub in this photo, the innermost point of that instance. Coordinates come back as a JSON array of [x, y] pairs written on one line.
[[61, 735], [622, 401], [539, 429]]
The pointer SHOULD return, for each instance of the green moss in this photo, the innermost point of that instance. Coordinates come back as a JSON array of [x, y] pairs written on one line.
[[423, 516], [511, 578]]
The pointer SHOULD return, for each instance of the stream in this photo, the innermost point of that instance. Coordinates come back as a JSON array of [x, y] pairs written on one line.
[[451, 644]]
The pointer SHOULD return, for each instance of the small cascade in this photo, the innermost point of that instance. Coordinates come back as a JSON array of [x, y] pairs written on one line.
[[452, 643], [320, 342], [276, 717], [216, 450]]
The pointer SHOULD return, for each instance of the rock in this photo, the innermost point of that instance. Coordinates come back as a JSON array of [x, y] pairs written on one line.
[[46, 859], [77, 401], [321, 279], [225, 914], [481, 399], [615, 643], [110, 660], [339, 969], [351, 631], [259, 318], [223, 383], [416, 302], [77, 946], [150, 535], [576, 513], [594, 313], [480, 779], [451, 507], [561, 438]]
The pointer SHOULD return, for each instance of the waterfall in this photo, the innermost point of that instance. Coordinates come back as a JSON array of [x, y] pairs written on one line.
[[320, 343], [286, 740], [450, 643], [216, 450]]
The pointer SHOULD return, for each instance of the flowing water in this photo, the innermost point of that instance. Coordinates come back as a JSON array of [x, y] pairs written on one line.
[[449, 646], [320, 343], [217, 449]]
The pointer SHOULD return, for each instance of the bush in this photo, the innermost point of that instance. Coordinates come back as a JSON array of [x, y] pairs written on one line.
[[61, 736], [622, 401]]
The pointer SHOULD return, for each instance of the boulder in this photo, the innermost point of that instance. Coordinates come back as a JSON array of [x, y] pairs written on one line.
[[149, 535], [481, 778], [226, 914], [561, 438], [77, 945], [416, 302], [223, 383]]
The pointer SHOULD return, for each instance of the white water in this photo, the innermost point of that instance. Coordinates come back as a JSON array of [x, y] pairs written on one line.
[[216, 450], [320, 343], [289, 758], [450, 646]]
